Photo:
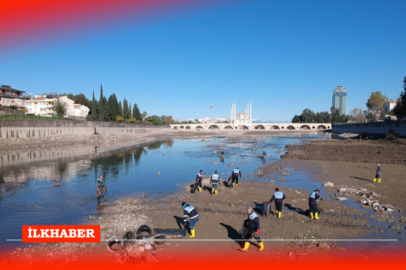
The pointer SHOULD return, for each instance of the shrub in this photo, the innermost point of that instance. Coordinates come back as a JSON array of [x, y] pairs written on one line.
[[119, 118]]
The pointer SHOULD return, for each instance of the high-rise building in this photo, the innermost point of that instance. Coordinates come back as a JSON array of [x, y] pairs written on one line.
[[340, 99]]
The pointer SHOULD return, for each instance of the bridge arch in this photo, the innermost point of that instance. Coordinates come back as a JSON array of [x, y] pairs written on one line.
[[305, 127], [212, 127], [228, 127], [199, 127], [275, 127], [290, 127], [259, 127], [321, 127], [244, 127], [188, 127], [181, 127], [313, 127], [175, 127]]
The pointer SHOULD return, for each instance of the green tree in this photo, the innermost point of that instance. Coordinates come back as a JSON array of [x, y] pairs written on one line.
[[308, 116], [120, 109], [136, 113], [129, 111], [59, 108], [377, 102], [296, 119], [400, 108], [71, 96], [113, 106], [94, 108], [357, 114], [335, 115], [154, 119], [107, 113], [101, 105], [125, 108], [323, 117], [81, 99]]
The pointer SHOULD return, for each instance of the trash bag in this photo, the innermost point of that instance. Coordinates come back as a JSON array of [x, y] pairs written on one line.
[[265, 209], [244, 229], [194, 187], [230, 181]]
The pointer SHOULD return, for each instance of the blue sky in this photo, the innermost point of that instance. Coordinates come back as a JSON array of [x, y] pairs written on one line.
[[284, 56]]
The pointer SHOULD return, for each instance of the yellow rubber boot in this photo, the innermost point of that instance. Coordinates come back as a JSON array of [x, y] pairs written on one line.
[[374, 180], [200, 189], [233, 184], [379, 180], [192, 234], [212, 191], [279, 214], [236, 185], [246, 246], [261, 246], [311, 215], [316, 215], [215, 192]]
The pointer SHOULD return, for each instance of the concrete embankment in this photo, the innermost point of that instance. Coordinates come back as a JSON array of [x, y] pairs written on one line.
[[38, 128], [378, 128]]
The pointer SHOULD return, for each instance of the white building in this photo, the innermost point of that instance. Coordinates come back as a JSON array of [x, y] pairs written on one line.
[[44, 106], [81, 110], [391, 105], [241, 118]]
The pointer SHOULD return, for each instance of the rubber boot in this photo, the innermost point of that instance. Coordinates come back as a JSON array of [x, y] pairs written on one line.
[[276, 212], [200, 189], [212, 191], [374, 180], [246, 246], [192, 234], [316, 215], [215, 192], [379, 180], [236, 185], [311, 215], [279, 214], [233, 184], [261, 246]]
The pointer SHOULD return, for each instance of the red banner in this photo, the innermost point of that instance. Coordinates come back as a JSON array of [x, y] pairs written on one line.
[[61, 233]]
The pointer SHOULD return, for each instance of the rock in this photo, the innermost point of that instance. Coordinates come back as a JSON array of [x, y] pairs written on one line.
[[259, 173], [298, 192], [159, 173], [341, 198], [92, 217], [328, 184], [323, 246], [230, 165], [284, 173], [56, 185]]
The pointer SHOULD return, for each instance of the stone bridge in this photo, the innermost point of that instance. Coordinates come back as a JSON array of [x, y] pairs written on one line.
[[259, 126]]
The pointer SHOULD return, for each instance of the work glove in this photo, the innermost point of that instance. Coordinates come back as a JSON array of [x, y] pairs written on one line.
[[258, 231]]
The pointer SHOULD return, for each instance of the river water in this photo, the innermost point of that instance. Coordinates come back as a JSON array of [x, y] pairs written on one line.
[[29, 195]]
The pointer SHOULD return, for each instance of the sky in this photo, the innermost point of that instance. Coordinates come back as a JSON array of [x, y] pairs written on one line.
[[179, 60]]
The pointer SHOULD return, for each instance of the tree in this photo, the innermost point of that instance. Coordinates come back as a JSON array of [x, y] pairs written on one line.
[[335, 115], [120, 109], [59, 108], [169, 120], [125, 108], [101, 105], [70, 96], [113, 106], [154, 119], [81, 99], [357, 114], [323, 117], [296, 119], [400, 108], [377, 102], [129, 111], [136, 113], [107, 113], [308, 116], [94, 108]]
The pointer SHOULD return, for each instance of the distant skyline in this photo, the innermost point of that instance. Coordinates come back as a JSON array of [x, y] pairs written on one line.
[[284, 56]]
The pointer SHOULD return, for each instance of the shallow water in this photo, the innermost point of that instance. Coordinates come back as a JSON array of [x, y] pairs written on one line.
[[28, 197]]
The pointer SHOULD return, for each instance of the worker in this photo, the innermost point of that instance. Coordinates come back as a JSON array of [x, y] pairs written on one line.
[[378, 173], [263, 153], [252, 230], [215, 180], [236, 172], [189, 210], [199, 179], [314, 210], [101, 189], [278, 197]]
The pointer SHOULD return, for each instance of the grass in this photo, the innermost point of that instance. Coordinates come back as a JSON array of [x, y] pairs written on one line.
[[30, 117]]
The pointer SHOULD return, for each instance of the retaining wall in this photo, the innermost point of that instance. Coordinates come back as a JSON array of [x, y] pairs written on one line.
[[46, 128], [378, 128]]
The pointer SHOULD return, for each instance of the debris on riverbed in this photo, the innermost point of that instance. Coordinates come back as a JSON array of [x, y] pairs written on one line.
[[230, 165], [368, 199], [328, 184], [284, 173]]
